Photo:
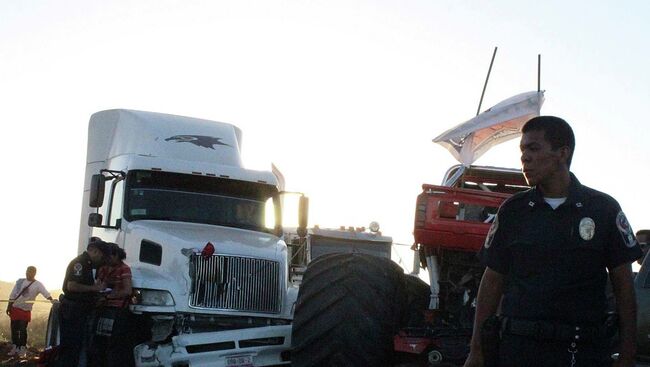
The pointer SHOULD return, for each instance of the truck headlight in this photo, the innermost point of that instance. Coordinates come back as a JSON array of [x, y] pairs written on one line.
[[374, 227], [152, 297]]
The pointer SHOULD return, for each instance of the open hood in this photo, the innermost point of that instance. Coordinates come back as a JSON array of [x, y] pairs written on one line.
[[471, 139]]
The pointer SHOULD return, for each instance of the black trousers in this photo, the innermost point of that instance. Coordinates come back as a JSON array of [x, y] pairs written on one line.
[[19, 332], [112, 344], [73, 318], [518, 351]]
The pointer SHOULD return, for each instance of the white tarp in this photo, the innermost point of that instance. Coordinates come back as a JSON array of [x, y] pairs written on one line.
[[471, 139]]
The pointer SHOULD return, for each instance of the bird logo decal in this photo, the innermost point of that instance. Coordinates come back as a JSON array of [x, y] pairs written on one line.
[[198, 140]]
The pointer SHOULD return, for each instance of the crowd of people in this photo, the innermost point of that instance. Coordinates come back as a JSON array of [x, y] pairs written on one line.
[[93, 310]]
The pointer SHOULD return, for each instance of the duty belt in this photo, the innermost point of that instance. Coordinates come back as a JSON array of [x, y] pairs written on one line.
[[80, 302], [547, 330]]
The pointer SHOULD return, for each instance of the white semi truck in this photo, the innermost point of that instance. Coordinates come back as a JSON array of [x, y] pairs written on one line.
[[203, 237]]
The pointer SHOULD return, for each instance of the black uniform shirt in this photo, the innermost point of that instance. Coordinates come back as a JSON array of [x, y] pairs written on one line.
[[79, 270], [555, 261]]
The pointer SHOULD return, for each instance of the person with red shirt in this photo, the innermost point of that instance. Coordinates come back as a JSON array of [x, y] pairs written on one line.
[[111, 344]]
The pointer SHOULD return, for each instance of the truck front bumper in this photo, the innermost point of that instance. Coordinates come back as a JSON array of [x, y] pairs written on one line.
[[263, 346]]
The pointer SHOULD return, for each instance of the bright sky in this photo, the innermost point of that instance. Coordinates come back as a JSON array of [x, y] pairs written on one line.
[[344, 96]]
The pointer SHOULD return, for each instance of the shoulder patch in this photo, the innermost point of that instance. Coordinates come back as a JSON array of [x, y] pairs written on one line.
[[491, 232], [77, 269], [625, 229]]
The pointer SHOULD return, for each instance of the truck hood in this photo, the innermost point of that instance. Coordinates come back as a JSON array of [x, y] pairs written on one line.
[[227, 240], [179, 240], [471, 139]]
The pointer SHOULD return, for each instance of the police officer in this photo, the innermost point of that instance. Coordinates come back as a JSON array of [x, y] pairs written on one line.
[[80, 294], [548, 255]]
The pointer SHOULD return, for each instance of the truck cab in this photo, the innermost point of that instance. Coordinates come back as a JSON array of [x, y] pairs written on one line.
[[203, 237]]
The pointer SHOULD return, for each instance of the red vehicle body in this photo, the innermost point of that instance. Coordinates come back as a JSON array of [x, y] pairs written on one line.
[[451, 223], [459, 217]]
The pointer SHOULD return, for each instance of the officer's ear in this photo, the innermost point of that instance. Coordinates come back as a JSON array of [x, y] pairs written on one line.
[[564, 153]]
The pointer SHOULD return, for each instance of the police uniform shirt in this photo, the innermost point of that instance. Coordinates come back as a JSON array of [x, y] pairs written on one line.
[[555, 261], [79, 270]]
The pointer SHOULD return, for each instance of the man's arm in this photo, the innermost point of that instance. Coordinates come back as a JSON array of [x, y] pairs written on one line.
[[78, 287], [487, 301], [14, 292], [12, 297], [44, 292], [621, 278]]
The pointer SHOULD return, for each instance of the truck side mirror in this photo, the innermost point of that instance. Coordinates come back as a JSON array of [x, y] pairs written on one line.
[[95, 219], [97, 184], [303, 215]]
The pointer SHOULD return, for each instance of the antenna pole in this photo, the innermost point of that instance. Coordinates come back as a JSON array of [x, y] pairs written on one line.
[[539, 71], [486, 81]]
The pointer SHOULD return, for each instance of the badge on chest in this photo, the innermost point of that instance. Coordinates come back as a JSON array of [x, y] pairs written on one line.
[[587, 228]]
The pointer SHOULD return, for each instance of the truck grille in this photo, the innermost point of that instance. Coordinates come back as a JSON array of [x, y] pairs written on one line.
[[235, 283]]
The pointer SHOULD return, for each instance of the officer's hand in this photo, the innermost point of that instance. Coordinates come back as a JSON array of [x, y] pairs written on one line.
[[100, 286], [8, 311], [624, 362], [475, 359]]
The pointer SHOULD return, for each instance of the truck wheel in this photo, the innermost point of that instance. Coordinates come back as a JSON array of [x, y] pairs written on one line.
[[419, 295], [349, 308], [52, 333], [435, 357]]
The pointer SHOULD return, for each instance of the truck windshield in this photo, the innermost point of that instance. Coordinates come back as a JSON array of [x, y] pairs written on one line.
[[179, 197]]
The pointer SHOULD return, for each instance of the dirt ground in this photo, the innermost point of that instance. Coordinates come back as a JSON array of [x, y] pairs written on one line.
[[30, 361]]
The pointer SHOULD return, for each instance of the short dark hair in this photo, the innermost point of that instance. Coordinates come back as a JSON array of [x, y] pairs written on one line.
[[557, 132], [102, 246], [117, 250]]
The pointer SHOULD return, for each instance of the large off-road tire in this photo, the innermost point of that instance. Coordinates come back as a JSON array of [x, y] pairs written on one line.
[[419, 295], [52, 333], [348, 310]]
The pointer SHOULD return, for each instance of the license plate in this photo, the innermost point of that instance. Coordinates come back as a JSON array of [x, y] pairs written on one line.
[[239, 361]]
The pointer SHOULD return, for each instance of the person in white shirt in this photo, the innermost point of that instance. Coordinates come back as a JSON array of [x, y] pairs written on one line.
[[19, 308]]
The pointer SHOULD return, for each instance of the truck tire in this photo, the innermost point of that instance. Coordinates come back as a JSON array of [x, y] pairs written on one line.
[[52, 333], [419, 295], [349, 308]]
